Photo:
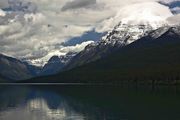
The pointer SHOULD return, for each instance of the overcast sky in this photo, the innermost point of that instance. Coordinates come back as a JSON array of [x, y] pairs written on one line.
[[36, 29]]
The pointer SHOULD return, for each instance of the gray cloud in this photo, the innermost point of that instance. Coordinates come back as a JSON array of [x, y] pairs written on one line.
[[38, 28], [174, 5], [174, 19], [176, 10], [75, 4], [3, 4]]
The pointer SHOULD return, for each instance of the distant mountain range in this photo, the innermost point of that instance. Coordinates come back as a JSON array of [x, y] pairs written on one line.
[[56, 64], [125, 53], [153, 58], [14, 69]]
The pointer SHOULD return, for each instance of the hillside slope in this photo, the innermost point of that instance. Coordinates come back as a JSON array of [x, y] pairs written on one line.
[[120, 36], [15, 69], [3, 79], [154, 58]]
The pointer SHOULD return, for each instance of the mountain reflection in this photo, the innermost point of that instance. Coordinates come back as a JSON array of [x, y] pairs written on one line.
[[32, 103], [35, 105], [88, 103]]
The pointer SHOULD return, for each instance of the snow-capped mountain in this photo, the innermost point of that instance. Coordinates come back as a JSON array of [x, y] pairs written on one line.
[[44, 60], [162, 30], [120, 36], [124, 34], [62, 52], [153, 59], [56, 64]]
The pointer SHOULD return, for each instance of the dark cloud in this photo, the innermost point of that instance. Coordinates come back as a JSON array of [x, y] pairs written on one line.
[[75, 4], [23, 6]]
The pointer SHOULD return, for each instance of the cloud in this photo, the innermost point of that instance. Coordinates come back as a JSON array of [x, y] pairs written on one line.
[[27, 31], [142, 13], [76, 48], [176, 10], [2, 13], [174, 5], [36, 28], [174, 20], [75, 4], [4, 3], [60, 52]]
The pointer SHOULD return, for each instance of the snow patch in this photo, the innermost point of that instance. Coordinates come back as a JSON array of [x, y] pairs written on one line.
[[61, 52]]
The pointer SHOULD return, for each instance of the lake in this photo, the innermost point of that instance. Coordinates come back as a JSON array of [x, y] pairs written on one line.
[[86, 102]]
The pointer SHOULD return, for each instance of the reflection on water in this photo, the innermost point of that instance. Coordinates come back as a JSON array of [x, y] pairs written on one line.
[[88, 103], [37, 109], [25, 103]]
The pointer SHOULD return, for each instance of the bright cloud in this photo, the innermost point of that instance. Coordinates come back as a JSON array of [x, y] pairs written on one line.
[[36, 28], [60, 52], [2, 13], [147, 13]]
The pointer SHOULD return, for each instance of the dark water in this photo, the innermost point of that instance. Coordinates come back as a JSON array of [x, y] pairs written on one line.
[[89, 103]]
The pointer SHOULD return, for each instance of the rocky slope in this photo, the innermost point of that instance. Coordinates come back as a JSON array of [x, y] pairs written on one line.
[[56, 64], [119, 37], [153, 59]]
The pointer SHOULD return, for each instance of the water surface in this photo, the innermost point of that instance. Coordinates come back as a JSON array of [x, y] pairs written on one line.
[[89, 103]]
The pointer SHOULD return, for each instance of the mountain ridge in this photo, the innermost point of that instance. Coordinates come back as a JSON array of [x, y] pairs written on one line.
[[15, 69], [56, 64], [120, 36], [148, 60]]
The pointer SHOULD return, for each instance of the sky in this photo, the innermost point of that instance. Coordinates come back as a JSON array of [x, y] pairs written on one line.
[[35, 30]]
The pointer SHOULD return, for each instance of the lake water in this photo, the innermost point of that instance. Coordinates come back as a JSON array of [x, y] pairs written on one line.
[[89, 103]]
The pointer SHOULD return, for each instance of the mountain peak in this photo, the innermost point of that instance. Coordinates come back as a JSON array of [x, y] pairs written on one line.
[[56, 63], [121, 35], [165, 30], [124, 34], [145, 13]]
